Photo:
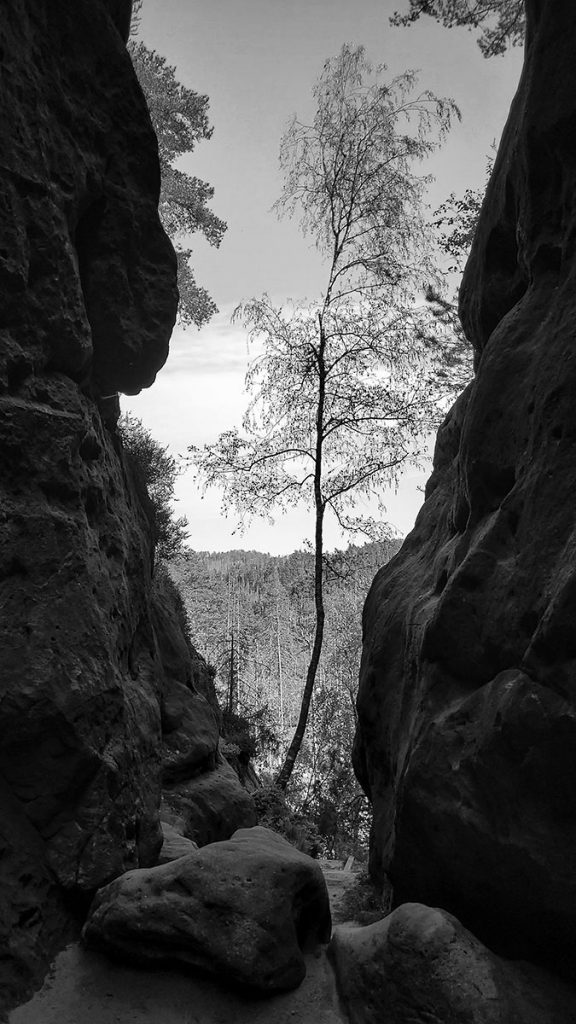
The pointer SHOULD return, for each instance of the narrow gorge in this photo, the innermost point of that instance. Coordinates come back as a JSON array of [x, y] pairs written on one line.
[[120, 816]]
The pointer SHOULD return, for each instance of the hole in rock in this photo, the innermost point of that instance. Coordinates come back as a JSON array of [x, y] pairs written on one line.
[[89, 448], [28, 917]]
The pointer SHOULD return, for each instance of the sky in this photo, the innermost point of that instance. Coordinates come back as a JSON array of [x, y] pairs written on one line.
[[257, 61]]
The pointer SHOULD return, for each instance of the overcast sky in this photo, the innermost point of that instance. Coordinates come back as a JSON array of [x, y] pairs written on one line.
[[257, 60]]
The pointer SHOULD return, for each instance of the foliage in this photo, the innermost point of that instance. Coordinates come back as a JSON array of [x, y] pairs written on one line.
[[170, 595], [158, 470], [376, 393], [323, 785], [268, 602], [250, 732], [180, 119], [362, 902], [455, 222], [135, 17], [342, 392], [274, 812], [503, 22]]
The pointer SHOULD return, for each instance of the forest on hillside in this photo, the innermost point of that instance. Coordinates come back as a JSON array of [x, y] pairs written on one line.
[[252, 617]]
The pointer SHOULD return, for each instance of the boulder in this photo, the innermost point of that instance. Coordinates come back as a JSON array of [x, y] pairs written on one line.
[[174, 845], [243, 909], [420, 966], [467, 699], [210, 806]]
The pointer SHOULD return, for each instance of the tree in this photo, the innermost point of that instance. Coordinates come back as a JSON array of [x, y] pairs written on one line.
[[180, 119], [503, 22], [456, 221], [158, 471], [342, 391]]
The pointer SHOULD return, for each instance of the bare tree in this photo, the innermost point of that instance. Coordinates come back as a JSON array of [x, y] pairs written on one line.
[[342, 391]]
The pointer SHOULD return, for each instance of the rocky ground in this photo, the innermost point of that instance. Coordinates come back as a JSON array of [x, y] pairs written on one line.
[[84, 987]]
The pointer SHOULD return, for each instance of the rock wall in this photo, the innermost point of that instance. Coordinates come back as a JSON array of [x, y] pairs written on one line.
[[467, 702], [88, 717]]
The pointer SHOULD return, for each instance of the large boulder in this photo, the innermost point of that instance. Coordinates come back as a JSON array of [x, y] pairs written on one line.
[[420, 966], [467, 701], [243, 909]]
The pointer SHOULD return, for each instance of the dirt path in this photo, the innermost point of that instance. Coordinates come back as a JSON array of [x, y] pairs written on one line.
[[86, 988], [337, 882]]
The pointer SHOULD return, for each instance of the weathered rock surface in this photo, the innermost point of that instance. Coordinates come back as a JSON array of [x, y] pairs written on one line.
[[87, 273], [420, 966], [190, 733], [174, 845], [95, 667], [202, 795], [467, 703], [243, 909], [190, 721], [181, 662], [87, 303], [210, 806]]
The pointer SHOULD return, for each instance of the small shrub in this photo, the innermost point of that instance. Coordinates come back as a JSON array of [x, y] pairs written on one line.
[[157, 470], [237, 732], [363, 902], [274, 812]]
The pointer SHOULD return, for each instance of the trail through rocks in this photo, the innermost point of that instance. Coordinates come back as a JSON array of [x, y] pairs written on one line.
[[84, 987]]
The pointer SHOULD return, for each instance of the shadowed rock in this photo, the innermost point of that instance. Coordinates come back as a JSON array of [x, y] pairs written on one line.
[[243, 909], [420, 966], [87, 303], [210, 806], [174, 845], [467, 703]]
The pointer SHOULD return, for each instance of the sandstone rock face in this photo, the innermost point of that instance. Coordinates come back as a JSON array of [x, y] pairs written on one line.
[[243, 909], [201, 794], [189, 712], [210, 806], [420, 966], [174, 845], [87, 274], [87, 302], [467, 703], [102, 696]]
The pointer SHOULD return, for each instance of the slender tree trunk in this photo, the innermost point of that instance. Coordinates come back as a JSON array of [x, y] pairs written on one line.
[[279, 653], [232, 680], [283, 777]]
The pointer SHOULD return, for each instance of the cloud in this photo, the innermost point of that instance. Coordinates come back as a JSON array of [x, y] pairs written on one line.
[[220, 346]]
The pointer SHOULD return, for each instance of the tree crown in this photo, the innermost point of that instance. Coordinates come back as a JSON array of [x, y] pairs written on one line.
[[342, 389], [503, 22], [350, 175], [180, 119]]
